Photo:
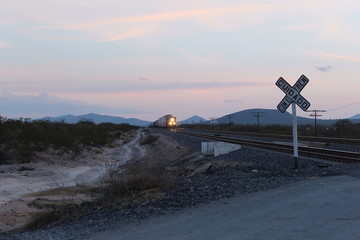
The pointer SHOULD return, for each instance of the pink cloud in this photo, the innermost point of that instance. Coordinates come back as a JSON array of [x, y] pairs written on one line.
[[4, 44], [190, 14], [341, 57], [114, 29], [194, 58]]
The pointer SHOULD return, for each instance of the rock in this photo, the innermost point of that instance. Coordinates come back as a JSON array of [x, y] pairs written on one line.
[[202, 169]]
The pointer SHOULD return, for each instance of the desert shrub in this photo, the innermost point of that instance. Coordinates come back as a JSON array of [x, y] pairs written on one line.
[[26, 168], [23, 138], [121, 185], [57, 214], [148, 139], [58, 210], [2, 158], [121, 188]]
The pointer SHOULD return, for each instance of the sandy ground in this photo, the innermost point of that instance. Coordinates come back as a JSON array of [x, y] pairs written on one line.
[[51, 172]]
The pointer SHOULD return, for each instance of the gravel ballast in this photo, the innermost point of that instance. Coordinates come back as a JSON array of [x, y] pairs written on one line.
[[242, 171]]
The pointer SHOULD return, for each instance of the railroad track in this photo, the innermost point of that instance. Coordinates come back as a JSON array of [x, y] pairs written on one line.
[[347, 141], [319, 153]]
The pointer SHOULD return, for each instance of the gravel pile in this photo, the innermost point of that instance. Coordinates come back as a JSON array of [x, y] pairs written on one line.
[[243, 171]]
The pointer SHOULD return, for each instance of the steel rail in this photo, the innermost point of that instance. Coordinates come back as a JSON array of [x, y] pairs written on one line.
[[320, 153], [349, 141]]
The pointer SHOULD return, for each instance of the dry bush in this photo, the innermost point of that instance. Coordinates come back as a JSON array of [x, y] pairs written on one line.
[[119, 188], [132, 183], [68, 207], [57, 214], [148, 139]]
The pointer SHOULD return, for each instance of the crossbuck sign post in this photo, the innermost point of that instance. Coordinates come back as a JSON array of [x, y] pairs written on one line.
[[293, 97]]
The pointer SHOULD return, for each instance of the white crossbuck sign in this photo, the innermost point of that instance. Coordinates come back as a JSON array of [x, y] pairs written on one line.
[[293, 94]]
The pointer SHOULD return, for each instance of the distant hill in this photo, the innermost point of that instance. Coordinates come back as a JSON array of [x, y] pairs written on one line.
[[357, 116], [270, 117], [97, 118], [192, 120]]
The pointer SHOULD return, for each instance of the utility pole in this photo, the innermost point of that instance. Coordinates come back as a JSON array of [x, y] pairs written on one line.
[[230, 116], [212, 121], [316, 115], [258, 116]]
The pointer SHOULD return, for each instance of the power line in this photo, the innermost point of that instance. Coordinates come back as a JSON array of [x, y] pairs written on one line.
[[212, 121], [258, 116], [345, 106], [315, 115], [230, 116]]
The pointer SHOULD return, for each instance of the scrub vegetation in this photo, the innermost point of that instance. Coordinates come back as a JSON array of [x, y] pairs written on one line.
[[21, 139], [120, 188]]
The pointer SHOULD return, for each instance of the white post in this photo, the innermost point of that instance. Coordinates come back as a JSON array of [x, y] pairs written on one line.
[[295, 137]]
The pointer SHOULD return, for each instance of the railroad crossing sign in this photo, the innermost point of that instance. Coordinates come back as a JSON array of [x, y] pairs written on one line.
[[293, 97], [293, 94]]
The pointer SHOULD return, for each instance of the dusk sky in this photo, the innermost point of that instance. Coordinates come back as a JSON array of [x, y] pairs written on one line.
[[148, 58]]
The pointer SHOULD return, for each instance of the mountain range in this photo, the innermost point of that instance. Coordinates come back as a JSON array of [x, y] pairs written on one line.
[[265, 117], [250, 116], [273, 116], [357, 116], [192, 120], [97, 118]]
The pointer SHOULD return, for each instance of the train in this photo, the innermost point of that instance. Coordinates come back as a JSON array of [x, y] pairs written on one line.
[[167, 121]]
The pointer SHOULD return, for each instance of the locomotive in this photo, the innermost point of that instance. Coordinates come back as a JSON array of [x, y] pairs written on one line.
[[168, 121]]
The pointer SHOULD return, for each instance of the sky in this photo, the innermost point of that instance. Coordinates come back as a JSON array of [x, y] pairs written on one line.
[[148, 58]]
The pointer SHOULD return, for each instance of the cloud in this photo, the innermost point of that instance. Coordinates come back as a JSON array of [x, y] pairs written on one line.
[[155, 24], [194, 58], [55, 33], [70, 84], [232, 101], [166, 86], [327, 68], [341, 57], [111, 21], [188, 14], [4, 44], [143, 79], [4, 22], [127, 32], [48, 105], [108, 29]]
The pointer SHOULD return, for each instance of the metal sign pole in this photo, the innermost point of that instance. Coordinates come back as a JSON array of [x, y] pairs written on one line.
[[295, 137]]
